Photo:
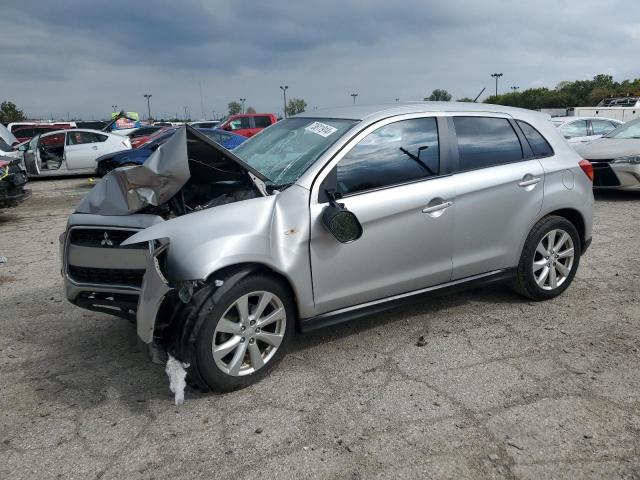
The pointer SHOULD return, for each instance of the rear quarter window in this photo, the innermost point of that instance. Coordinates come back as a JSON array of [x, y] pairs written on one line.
[[538, 143]]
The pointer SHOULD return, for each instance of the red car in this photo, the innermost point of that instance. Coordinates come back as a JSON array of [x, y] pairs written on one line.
[[141, 140], [27, 132], [142, 135], [247, 124]]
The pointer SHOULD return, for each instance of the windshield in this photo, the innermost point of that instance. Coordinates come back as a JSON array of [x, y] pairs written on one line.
[[284, 151], [628, 130]]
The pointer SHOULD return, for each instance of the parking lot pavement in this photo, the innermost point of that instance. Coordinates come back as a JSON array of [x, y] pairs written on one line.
[[503, 388]]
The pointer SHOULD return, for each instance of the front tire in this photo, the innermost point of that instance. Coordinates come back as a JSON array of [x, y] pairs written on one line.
[[549, 259], [246, 333]]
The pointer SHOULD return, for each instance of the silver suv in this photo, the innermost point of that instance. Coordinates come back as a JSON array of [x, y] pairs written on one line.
[[219, 257]]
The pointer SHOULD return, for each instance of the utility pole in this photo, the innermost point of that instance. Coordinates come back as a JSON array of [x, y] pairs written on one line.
[[284, 96], [496, 76], [354, 95], [148, 97], [242, 100], [201, 102]]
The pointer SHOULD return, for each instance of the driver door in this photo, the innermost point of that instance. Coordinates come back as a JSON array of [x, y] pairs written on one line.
[[404, 202]]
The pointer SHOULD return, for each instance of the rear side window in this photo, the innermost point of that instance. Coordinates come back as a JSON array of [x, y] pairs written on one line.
[[602, 127], [262, 122], [78, 138], [397, 153], [485, 142], [538, 143]]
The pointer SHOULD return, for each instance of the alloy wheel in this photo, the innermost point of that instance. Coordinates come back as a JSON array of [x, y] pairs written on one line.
[[249, 333], [553, 260]]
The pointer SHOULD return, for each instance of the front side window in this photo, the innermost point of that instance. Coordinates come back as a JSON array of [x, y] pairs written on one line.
[[397, 153], [284, 151], [574, 129], [240, 123], [538, 143], [485, 142]]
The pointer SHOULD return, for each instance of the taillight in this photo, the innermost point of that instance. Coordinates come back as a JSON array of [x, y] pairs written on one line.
[[587, 168]]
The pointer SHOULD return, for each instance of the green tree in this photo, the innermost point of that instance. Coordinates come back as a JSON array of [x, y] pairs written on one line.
[[439, 95], [295, 106], [234, 108], [465, 99], [10, 113]]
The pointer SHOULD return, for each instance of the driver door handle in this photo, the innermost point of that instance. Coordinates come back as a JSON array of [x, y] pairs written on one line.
[[528, 183], [437, 208]]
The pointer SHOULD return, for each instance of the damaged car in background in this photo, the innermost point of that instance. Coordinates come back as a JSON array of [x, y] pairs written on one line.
[[12, 183], [218, 256]]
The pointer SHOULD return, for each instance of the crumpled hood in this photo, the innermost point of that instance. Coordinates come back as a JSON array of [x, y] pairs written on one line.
[[608, 148], [162, 175]]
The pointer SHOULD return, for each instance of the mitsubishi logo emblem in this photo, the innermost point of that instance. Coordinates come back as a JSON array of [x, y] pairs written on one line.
[[106, 242]]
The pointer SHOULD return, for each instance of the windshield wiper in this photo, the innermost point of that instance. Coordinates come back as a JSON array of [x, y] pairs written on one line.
[[417, 157]]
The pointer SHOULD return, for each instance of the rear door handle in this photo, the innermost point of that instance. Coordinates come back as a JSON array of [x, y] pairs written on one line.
[[528, 183], [437, 208]]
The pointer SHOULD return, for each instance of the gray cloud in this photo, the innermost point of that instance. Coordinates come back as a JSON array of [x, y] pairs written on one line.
[[82, 57]]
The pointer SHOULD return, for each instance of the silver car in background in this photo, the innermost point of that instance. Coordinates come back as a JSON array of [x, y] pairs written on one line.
[[580, 130], [325, 217], [616, 158]]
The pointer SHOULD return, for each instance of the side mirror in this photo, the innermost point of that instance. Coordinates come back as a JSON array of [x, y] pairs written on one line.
[[23, 148], [342, 223]]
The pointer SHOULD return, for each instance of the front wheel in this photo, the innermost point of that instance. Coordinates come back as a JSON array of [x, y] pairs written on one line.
[[246, 333], [549, 259]]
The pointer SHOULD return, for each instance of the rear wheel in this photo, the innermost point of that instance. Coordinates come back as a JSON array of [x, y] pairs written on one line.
[[246, 333], [549, 259]]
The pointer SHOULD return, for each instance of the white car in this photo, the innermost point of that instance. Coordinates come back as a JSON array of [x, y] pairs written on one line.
[[579, 130], [69, 152]]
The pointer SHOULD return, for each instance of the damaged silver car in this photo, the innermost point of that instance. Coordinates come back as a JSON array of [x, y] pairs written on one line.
[[219, 257]]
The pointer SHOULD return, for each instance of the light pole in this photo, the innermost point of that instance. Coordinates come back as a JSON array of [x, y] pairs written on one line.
[[354, 95], [397, 99], [496, 76], [515, 88], [148, 97], [243, 100], [284, 97], [115, 108]]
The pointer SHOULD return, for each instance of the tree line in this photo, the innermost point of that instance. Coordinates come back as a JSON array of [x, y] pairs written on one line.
[[577, 93]]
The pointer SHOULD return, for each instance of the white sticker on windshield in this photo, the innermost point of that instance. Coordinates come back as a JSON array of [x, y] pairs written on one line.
[[321, 129]]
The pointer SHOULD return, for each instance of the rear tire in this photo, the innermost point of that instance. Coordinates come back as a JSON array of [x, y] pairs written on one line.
[[549, 259], [249, 328]]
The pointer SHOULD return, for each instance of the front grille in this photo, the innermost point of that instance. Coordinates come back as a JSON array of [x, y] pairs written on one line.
[[603, 175], [128, 277], [102, 238]]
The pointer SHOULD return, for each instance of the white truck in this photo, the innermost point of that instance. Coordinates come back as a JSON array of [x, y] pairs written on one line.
[[623, 109]]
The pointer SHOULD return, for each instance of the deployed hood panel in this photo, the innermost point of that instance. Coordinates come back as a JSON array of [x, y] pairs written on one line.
[[187, 154]]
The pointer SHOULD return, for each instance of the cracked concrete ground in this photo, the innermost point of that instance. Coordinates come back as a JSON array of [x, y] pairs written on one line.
[[503, 388]]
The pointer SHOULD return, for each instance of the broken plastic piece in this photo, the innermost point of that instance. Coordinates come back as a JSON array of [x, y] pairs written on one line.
[[176, 372]]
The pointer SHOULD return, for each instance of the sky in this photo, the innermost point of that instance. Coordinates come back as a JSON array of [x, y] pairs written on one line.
[[78, 58]]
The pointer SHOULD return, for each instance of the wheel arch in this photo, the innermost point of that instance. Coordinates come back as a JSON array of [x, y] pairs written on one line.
[[575, 217]]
